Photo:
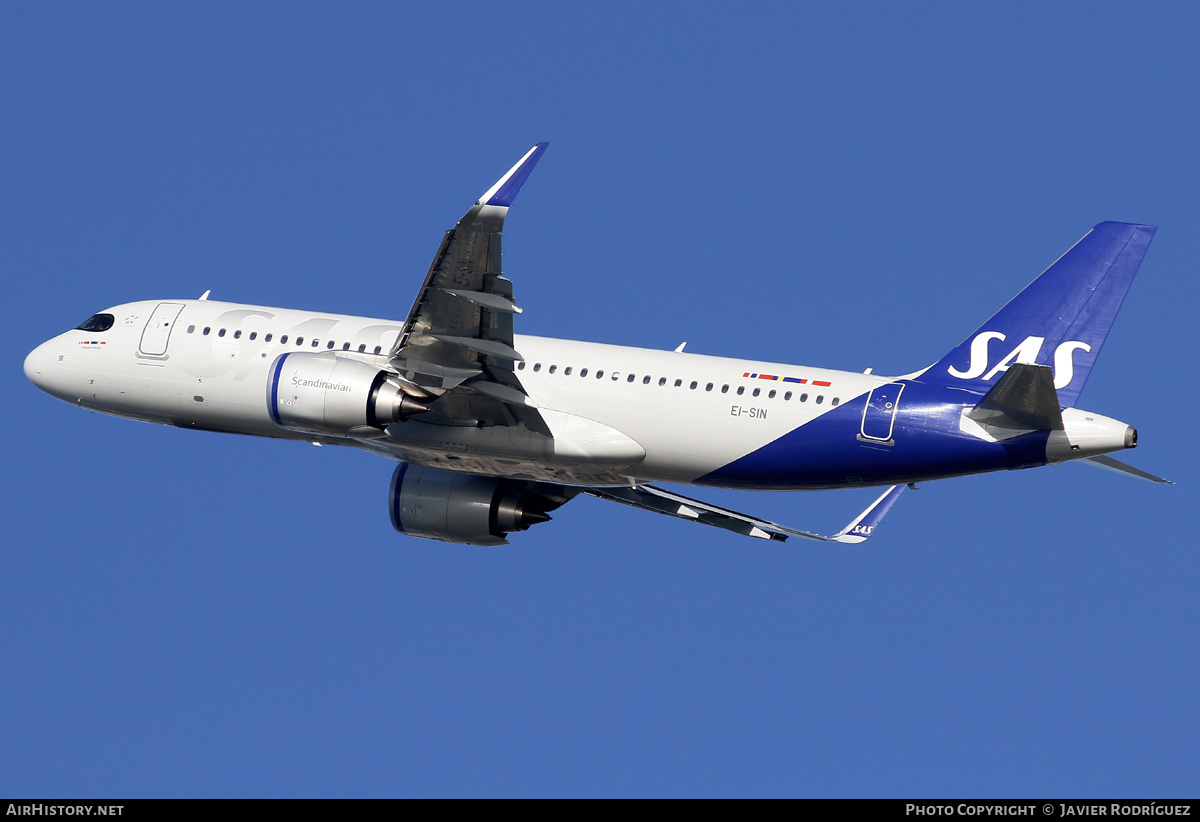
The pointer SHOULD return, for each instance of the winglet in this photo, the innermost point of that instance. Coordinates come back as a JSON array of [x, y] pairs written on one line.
[[864, 523], [505, 190]]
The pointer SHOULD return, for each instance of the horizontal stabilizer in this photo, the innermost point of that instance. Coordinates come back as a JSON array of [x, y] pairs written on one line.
[[662, 501], [1023, 398], [1111, 464]]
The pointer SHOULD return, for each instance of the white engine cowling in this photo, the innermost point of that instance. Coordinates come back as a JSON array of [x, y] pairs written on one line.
[[451, 507], [328, 394]]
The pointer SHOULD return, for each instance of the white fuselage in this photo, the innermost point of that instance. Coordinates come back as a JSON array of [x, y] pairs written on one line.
[[206, 364]]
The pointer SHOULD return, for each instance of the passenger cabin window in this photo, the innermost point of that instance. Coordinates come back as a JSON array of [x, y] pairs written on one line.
[[630, 378], [283, 339], [567, 371], [221, 333], [646, 380], [206, 330], [345, 346], [191, 328], [362, 347], [299, 341], [97, 323], [378, 348], [315, 343], [237, 335], [268, 338], [583, 372]]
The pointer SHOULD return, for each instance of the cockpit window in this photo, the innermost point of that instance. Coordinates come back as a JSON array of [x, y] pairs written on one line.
[[97, 323]]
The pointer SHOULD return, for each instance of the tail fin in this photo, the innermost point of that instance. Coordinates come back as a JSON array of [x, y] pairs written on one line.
[[1059, 320]]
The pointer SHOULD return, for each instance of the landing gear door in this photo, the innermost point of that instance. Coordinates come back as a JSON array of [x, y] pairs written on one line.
[[158, 330], [880, 414]]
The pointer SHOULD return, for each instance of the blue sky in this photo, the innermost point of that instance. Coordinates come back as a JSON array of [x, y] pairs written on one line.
[[845, 185]]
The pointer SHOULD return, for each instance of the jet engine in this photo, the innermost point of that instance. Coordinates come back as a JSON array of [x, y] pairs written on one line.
[[442, 505], [328, 394]]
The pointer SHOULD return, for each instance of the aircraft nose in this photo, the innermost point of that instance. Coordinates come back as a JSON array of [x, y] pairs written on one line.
[[35, 364], [43, 369]]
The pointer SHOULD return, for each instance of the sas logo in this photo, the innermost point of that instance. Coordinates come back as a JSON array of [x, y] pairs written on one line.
[[862, 530], [1026, 352]]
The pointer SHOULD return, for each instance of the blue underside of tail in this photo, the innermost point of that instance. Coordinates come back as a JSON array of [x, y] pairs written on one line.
[[925, 443]]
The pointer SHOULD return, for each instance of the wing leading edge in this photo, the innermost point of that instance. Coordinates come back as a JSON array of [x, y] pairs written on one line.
[[456, 346]]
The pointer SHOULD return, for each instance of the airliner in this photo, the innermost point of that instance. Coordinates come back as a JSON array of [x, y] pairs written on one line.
[[493, 430]]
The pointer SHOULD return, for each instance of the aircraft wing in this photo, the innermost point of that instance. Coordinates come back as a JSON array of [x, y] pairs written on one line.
[[456, 347], [662, 501]]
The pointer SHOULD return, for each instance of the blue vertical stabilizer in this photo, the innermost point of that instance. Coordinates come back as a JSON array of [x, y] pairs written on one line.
[[1059, 320]]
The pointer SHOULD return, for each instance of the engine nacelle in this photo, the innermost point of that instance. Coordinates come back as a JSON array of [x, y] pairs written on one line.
[[443, 505], [328, 394]]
